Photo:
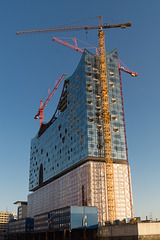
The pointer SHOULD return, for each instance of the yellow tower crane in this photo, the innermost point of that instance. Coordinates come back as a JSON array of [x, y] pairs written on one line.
[[111, 214]]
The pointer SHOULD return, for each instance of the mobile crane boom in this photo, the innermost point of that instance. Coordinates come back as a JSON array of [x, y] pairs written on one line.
[[42, 106]]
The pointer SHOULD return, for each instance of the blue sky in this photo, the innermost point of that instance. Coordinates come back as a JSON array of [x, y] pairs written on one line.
[[29, 65]]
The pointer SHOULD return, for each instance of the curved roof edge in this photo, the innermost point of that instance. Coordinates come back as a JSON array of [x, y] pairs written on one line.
[[45, 126], [56, 114], [111, 51]]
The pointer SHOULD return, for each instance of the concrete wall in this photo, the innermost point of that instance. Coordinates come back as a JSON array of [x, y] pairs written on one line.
[[148, 228], [141, 231], [117, 231]]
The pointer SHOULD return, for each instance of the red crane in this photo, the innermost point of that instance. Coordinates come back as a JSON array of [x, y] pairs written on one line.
[[133, 74], [74, 47], [42, 106]]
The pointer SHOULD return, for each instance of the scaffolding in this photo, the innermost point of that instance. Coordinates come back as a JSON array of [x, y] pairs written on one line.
[[85, 185]]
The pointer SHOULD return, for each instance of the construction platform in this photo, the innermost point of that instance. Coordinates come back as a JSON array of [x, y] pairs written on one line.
[[140, 230], [143, 231]]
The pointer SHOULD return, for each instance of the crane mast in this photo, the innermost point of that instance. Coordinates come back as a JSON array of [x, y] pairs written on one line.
[[106, 127], [111, 215]]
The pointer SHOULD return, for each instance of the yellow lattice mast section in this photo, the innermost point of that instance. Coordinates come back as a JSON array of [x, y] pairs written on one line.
[[106, 128]]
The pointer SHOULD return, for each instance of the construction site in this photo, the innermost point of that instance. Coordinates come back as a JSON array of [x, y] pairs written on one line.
[[79, 176]]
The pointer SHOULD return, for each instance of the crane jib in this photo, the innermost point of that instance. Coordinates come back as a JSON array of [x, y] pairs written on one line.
[[59, 29]]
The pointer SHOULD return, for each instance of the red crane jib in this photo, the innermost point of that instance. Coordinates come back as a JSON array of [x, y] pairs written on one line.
[[49, 97], [133, 74], [68, 45]]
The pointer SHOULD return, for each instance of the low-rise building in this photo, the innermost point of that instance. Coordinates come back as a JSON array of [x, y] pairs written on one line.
[[21, 210], [4, 219]]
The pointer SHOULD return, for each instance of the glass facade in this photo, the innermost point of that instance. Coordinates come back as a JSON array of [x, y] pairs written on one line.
[[116, 110], [77, 132]]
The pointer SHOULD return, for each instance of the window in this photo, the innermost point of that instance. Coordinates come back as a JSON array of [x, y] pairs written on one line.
[[114, 117], [96, 80], [89, 101], [76, 77], [98, 97], [113, 100], [111, 84], [99, 126], [98, 114], [99, 146], [111, 74], [89, 74], [63, 139], [98, 108], [59, 127], [89, 63], [115, 129], [42, 151], [88, 84], [90, 90], [91, 119]]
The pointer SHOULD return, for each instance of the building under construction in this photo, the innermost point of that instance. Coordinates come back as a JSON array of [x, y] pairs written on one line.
[[67, 157], [79, 158]]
